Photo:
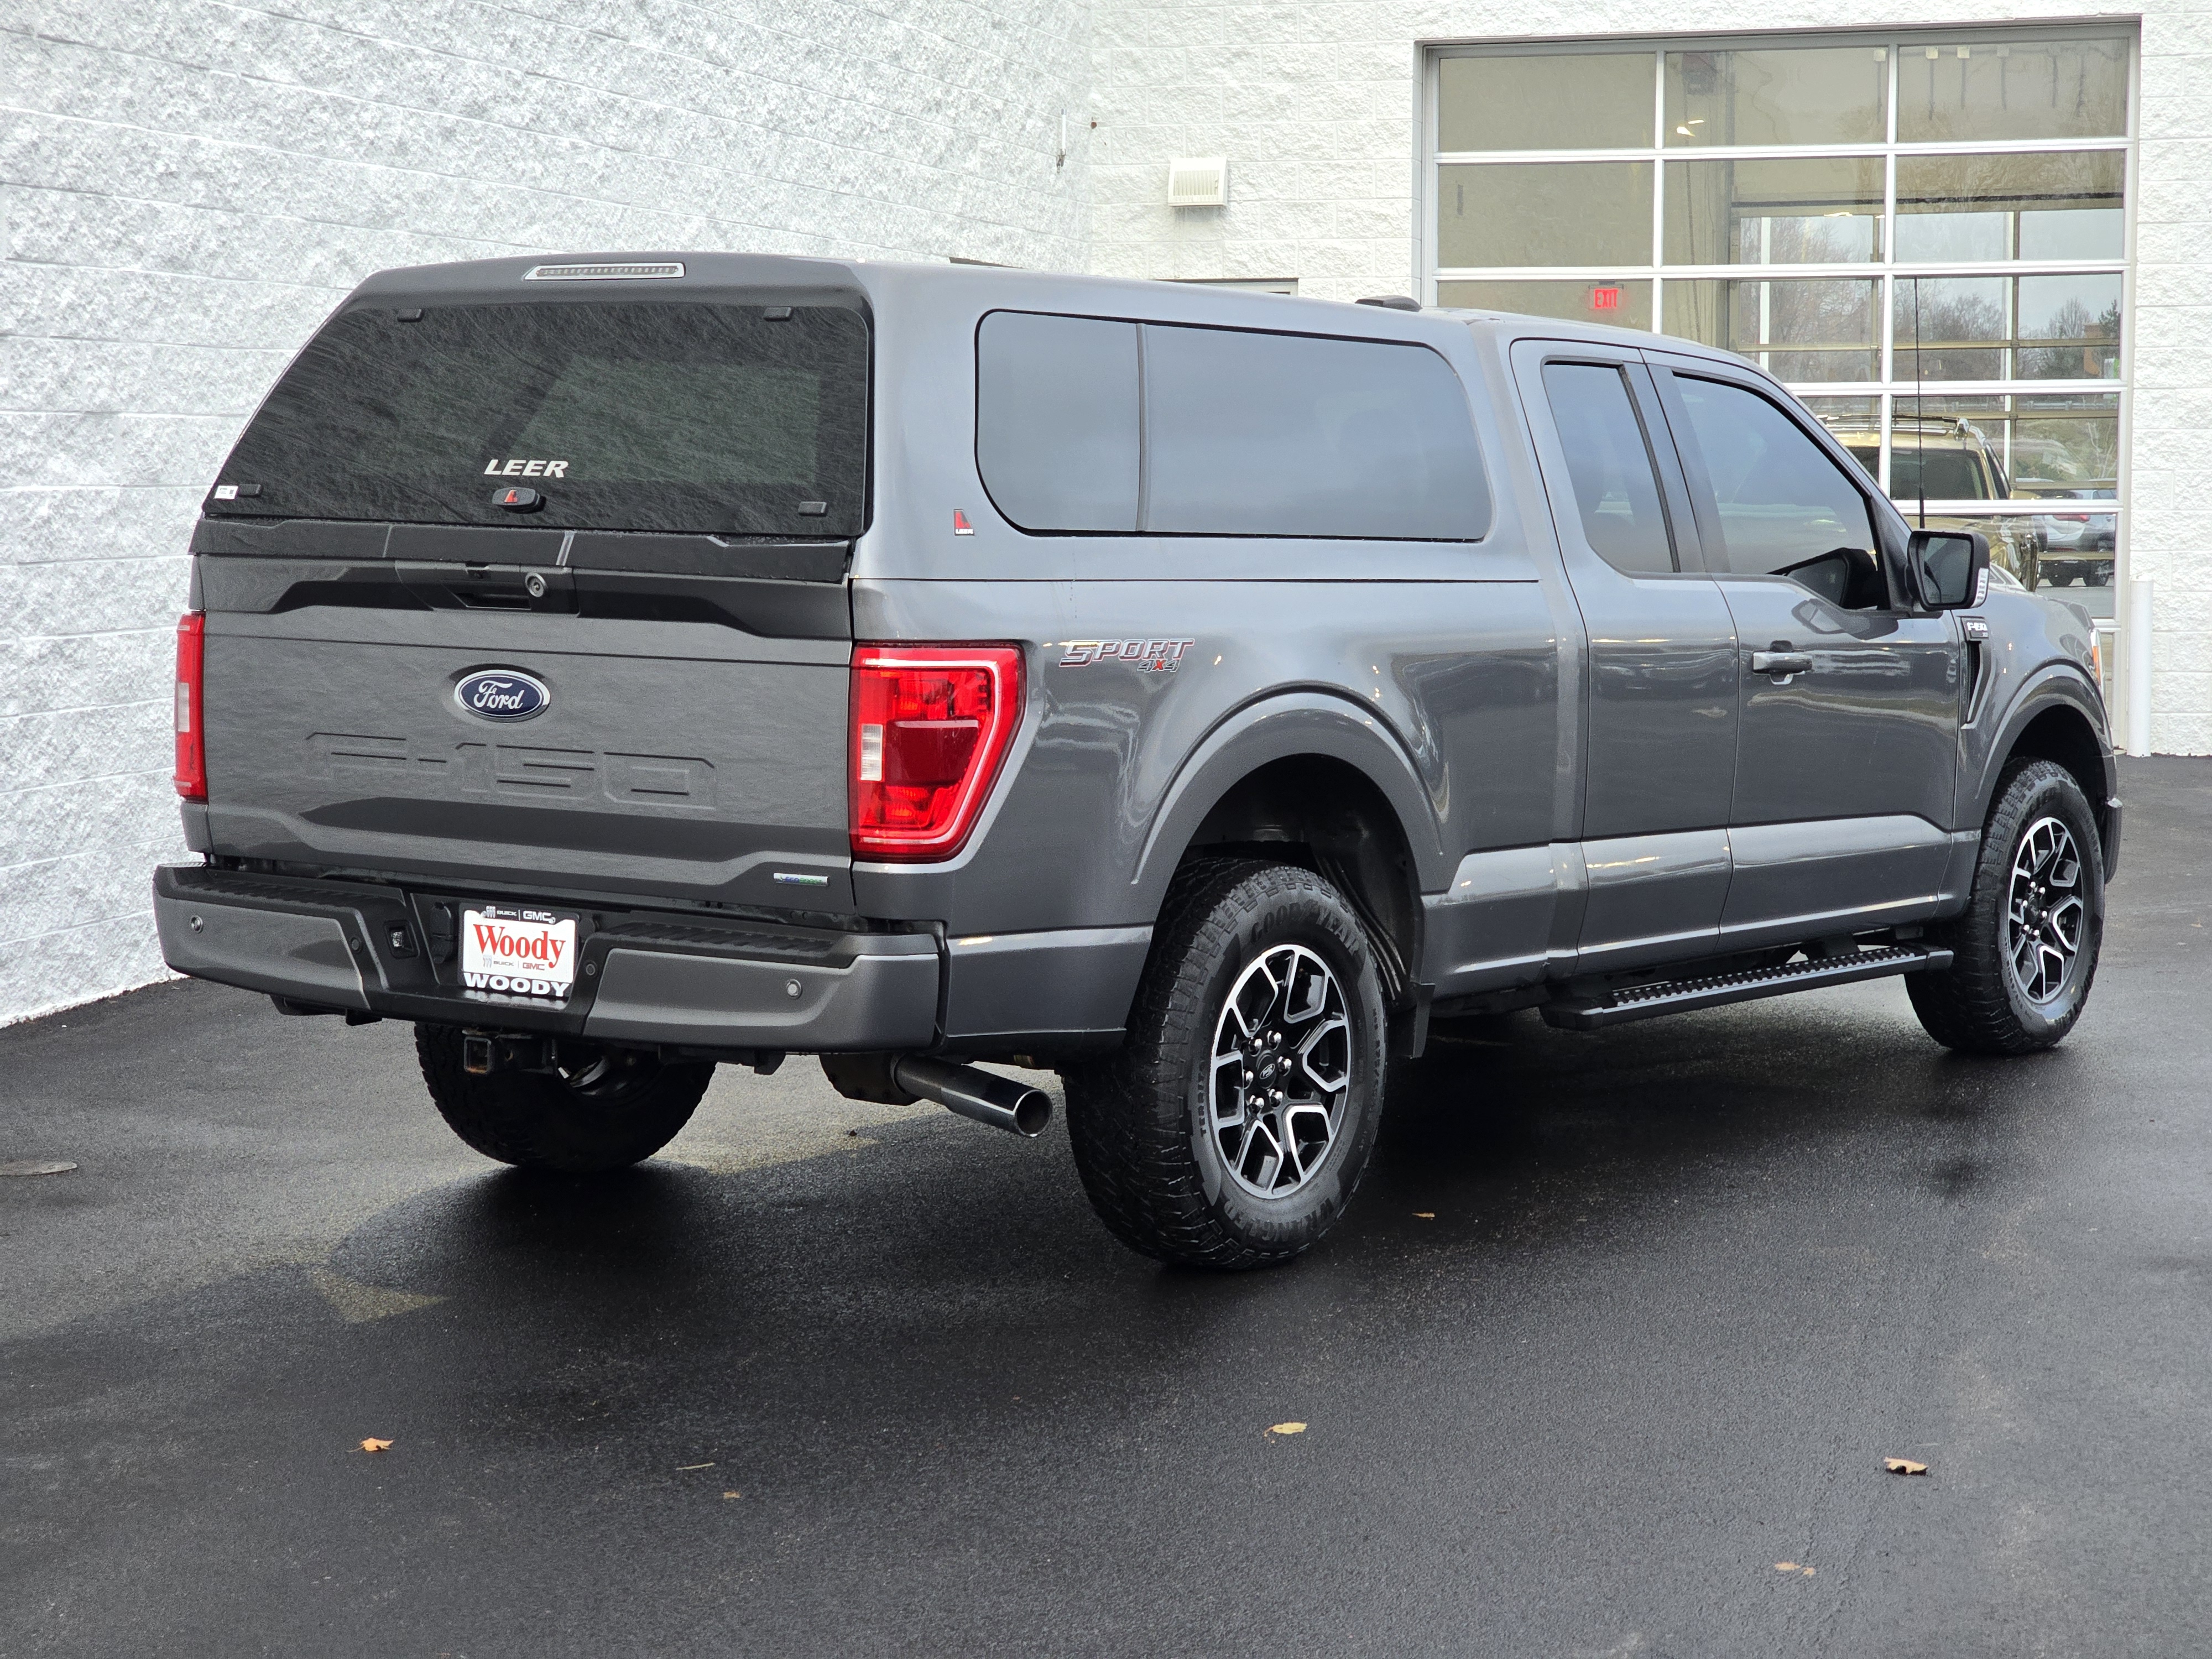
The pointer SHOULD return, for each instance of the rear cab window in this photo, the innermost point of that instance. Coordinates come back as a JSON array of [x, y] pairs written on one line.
[[1099, 426], [700, 417]]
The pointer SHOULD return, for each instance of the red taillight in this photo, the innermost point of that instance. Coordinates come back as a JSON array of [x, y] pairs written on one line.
[[191, 706], [930, 724]]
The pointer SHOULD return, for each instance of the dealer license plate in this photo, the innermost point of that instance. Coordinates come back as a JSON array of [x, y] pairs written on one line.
[[517, 952]]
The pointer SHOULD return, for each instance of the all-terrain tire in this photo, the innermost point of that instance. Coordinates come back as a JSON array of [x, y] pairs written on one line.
[[1166, 1172], [1987, 1002], [606, 1111]]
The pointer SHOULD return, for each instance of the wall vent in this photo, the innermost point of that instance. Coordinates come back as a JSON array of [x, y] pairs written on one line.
[[1202, 181], [599, 273]]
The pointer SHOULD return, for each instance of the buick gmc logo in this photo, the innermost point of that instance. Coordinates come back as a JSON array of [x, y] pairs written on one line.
[[501, 694]]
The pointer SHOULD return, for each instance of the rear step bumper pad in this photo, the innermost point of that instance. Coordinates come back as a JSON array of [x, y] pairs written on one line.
[[1675, 996], [283, 952], [649, 977], [874, 1001]]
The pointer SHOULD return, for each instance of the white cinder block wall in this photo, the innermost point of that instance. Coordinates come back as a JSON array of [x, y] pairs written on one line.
[[1315, 106], [189, 186]]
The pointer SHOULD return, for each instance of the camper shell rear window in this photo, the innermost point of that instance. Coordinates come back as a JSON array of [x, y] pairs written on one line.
[[667, 416]]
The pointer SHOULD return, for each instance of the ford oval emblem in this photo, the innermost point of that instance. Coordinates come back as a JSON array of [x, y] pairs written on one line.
[[501, 694]]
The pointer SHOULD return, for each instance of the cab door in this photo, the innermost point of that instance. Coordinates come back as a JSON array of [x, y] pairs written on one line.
[[1847, 736], [1660, 704]]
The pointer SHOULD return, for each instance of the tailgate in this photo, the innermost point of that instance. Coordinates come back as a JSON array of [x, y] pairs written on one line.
[[620, 732]]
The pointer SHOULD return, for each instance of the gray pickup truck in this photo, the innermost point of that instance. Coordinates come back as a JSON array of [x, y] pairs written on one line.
[[624, 665]]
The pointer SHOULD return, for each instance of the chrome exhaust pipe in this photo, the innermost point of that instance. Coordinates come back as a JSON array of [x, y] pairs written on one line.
[[997, 1101]]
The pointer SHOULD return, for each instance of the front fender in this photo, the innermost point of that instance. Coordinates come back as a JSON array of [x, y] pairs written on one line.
[[1281, 727], [2055, 685]]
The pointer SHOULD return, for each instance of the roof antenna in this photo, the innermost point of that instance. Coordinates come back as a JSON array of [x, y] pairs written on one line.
[[1919, 408]]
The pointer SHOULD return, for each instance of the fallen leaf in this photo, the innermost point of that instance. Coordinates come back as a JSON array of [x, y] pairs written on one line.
[[1785, 1566], [1425, 1215], [1903, 1466], [358, 1304], [1286, 1428], [1808, 1572], [734, 1494], [376, 1445], [686, 1468]]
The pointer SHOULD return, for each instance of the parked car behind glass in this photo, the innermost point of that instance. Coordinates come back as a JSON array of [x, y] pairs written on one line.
[[1948, 459], [2078, 546]]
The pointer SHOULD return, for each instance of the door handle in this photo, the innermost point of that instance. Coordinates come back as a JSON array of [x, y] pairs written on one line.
[[1781, 664]]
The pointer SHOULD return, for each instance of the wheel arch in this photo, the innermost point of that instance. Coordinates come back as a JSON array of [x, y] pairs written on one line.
[[1310, 779], [2056, 717]]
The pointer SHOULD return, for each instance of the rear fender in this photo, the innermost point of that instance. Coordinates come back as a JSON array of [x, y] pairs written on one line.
[[1283, 727]]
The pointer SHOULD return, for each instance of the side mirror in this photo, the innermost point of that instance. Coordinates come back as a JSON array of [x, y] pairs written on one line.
[[1950, 569]]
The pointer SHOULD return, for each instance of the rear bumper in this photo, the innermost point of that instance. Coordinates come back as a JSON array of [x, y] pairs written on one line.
[[646, 977]]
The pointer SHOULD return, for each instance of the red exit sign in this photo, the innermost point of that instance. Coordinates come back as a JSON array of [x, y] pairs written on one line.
[[1605, 299]]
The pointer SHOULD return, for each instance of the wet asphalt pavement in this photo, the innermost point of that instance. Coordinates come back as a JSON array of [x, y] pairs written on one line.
[[843, 1380]]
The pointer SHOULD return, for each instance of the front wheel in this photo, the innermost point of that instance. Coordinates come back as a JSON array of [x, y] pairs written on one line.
[[598, 1110], [2024, 950], [1233, 1124]]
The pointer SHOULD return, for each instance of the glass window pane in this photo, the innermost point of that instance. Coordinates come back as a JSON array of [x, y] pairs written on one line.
[[1951, 448], [2066, 444], [1624, 305], [1545, 213], [2066, 328], [1856, 423], [1999, 448], [2008, 207], [1616, 488], [1798, 329], [1582, 101], [2069, 327], [1774, 212], [1781, 499], [1056, 419], [645, 415], [1793, 95], [2076, 542], [1252, 434], [2026, 89], [1950, 328]]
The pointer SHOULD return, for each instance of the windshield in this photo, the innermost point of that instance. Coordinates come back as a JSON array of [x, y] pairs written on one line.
[[746, 420]]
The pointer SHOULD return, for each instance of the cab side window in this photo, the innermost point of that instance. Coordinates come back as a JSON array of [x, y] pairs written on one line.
[[1609, 466], [1785, 507]]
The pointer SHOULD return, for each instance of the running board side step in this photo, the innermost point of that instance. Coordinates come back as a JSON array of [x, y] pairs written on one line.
[[1675, 996]]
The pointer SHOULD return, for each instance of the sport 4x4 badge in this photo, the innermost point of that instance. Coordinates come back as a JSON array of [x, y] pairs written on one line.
[[1146, 656]]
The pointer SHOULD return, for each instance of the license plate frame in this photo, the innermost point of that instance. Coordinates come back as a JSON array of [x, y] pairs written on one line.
[[523, 953]]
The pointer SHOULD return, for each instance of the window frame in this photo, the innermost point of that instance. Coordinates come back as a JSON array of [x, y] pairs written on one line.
[[1894, 390]]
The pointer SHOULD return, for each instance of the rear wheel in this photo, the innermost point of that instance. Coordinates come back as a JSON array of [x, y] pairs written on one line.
[[2024, 950], [598, 1110], [1232, 1127]]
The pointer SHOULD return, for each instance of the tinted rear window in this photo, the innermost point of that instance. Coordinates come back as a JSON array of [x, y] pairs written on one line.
[[1286, 435], [660, 416], [1084, 424], [1056, 419]]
